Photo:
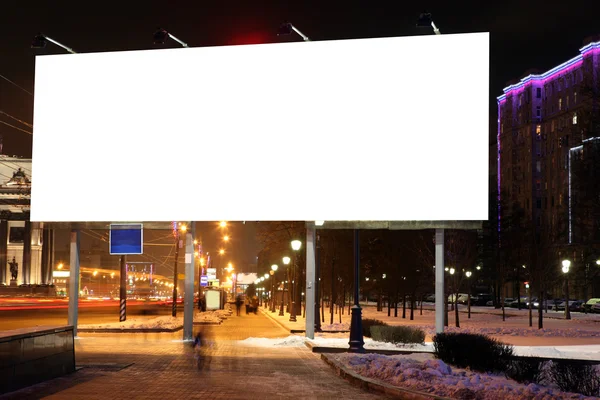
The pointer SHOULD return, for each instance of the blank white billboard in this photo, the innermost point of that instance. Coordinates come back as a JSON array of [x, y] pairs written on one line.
[[369, 129]]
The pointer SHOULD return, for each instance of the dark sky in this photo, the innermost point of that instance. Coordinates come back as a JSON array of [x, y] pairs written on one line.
[[524, 34]]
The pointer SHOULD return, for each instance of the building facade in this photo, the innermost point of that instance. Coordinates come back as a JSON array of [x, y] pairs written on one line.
[[547, 124], [22, 249]]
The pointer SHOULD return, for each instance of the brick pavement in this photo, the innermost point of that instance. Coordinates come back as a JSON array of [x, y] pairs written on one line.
[[161, 366]]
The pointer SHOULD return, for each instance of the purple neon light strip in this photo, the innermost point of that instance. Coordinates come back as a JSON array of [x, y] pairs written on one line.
[[568, 65]]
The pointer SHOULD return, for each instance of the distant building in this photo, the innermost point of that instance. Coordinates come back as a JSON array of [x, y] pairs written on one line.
[[546, 121], [20, 239]]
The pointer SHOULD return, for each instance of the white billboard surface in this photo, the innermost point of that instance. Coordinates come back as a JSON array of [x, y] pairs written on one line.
[[367, 129]]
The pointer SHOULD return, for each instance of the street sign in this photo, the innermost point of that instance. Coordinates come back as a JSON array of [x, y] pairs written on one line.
[[204, 280], [126, 239], [211, 273]]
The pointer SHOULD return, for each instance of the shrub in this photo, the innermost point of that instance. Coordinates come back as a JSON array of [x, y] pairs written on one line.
[[525, 370], [477, 352], [397, 334], [368, 323], [575, 377]]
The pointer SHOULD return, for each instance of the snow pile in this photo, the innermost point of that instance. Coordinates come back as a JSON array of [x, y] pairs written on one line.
[[290, 341], [165, 322], [426, 374]]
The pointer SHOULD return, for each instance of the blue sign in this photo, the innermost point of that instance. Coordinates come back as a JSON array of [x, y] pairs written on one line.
[[126, 239], [203, 280]]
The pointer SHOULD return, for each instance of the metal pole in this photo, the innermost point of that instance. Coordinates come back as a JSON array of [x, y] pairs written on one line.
[[70, 50], [174, 312], [310, 308], [567, 311], [74, 281], [356, 335], [188, 305], [439, 281], [318, 284], [293, 287], [123, 290], [530, 306]]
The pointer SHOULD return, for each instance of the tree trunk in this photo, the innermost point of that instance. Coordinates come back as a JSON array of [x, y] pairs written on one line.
[[389, 305], [455, 302], [421, 305], [540, 313], [412, 307], [332, 299], [344, 298], [340, 308], [404, 305]]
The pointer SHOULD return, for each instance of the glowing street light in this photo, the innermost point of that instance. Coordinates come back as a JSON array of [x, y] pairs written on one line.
[[223, 224], [226, 238]]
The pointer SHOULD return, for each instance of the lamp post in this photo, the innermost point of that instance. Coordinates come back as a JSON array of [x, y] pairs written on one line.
[[454, 298], [274, 268], [425, 21], [566, 264], [40, 41], [161, 35], [468, 274], [530, 302], [286, 261], [287, 28], [296, 244], [356, 335]]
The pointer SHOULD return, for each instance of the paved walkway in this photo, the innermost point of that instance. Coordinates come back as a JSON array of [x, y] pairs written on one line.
[[161, 366]]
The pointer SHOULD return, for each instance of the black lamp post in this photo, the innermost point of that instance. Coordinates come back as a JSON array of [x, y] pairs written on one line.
[[287, 29], [356, 335], [296, 244], [566, 264]]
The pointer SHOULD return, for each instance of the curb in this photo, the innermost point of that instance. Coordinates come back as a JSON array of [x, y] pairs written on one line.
[[275, 320], [375, 386], [387, 352], [130, 330], [296, 330]]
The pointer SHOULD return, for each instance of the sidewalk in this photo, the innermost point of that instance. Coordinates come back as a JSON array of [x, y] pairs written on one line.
[[161, 366]]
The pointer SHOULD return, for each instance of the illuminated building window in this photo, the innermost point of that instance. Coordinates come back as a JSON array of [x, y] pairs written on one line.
[[538, 129], [575, 98], [559, 104], [574, 118]]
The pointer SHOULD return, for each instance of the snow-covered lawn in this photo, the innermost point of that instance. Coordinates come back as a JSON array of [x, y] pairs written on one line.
[[163, 322], [421, 371], [424, 373]]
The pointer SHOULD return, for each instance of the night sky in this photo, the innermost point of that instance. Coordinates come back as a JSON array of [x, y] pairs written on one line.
[[524, 34]]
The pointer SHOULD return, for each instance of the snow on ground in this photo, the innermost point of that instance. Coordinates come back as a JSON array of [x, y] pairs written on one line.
[[485, 320], [163, 322], [424, 373], [290, 341]]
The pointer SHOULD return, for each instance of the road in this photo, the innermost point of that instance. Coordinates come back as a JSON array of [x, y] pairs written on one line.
[[16, 317]]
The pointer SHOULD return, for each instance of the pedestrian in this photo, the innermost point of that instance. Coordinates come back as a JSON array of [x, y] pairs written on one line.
[[247, 304], [238, 305]]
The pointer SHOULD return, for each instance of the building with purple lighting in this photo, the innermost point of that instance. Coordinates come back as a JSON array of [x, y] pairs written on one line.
[[547, 124]]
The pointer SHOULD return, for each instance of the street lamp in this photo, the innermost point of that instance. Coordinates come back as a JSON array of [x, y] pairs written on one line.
[[566, 264], [40, 41], [286, 262], [425, 21], [468, 274], [274, 268], [296, 244], [287, 28], [161, 35]]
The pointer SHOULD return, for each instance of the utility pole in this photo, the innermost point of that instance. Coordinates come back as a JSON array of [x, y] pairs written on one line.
[[174, 313]]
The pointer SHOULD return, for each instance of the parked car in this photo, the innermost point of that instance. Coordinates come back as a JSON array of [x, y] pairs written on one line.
[[515, 303], [574, 305], [596, 308], [461, 297], [430, 298], [481, 299], [589, 306]]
